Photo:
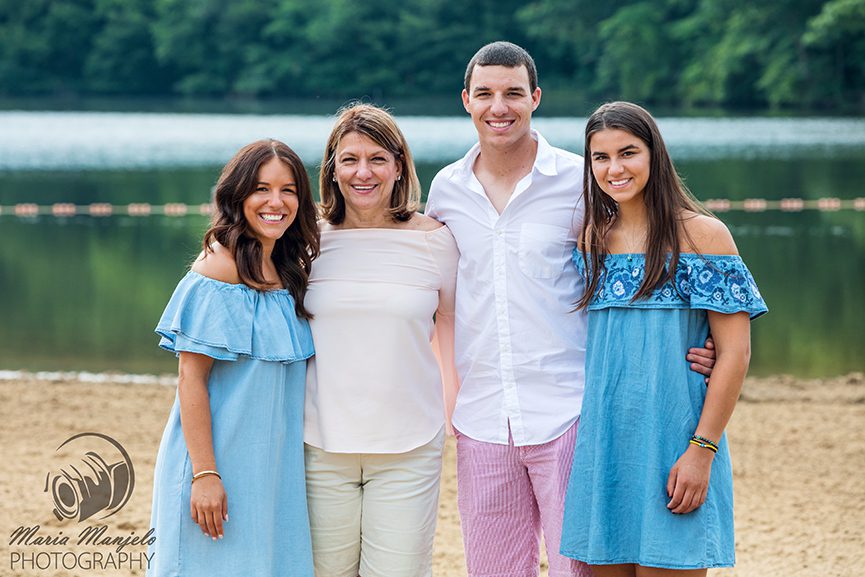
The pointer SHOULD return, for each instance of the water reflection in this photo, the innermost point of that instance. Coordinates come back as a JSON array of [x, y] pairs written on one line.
[[84, 293], [811, 270]]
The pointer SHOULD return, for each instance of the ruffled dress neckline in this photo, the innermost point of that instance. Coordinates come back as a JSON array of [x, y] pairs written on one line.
[[721, 283], [226, 321]]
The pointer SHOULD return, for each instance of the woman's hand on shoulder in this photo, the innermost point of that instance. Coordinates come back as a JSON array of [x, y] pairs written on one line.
[[209, 505], [218, 264], [708, 235]]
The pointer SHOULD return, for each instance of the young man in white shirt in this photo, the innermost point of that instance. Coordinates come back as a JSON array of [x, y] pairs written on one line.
[[514, 205]]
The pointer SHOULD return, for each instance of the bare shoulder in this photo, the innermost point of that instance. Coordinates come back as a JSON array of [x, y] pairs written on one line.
[[217, 264], [708, 235], [423, 223]]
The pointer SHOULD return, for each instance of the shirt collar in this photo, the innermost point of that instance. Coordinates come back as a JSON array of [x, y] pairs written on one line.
[[545, 159]]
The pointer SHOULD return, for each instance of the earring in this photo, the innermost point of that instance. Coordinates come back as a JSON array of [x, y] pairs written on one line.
[[334, 178], [398, 177]]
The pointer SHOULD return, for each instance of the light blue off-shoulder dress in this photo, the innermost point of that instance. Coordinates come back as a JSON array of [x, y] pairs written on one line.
[[256, 389], [641, 406]]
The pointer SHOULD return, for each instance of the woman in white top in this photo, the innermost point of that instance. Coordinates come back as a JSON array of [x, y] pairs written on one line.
[[375, 409]]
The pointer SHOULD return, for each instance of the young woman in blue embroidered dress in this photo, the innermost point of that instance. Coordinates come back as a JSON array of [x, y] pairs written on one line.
[[650, 491], [234, 438]]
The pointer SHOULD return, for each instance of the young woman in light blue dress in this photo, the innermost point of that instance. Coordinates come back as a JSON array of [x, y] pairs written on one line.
[[651, 487], [229, 496]]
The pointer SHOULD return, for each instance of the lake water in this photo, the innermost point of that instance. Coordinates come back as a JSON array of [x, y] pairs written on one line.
[[84, 293]]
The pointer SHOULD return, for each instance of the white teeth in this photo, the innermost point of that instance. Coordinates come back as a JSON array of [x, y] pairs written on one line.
[[500, 124], [273, 217], [619, 182], [364, 188]]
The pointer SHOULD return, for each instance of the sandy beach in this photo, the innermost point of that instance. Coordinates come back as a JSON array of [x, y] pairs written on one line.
[[798, 453]]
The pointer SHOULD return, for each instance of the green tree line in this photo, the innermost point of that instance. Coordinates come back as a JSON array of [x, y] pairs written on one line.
[[684, 53]]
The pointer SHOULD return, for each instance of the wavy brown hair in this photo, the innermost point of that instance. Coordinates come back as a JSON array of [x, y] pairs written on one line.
[[379, 126], [666, 198], [294, 252]]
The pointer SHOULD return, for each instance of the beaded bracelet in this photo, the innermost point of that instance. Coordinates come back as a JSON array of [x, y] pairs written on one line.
[[704, 443], [705, 440], [201, 474]]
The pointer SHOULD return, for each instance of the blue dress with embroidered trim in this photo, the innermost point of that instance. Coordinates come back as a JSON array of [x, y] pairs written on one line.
[[256, 389], [641, 406]]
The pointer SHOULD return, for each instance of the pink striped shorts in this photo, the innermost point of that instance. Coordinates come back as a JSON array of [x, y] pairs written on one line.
[[507, 495]]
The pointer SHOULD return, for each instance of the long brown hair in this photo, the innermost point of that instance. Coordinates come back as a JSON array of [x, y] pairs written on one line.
[[294, 252], [379, 126], [666, 198]]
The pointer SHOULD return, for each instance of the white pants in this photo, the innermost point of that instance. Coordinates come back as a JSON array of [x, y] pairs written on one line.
[[374, 515]]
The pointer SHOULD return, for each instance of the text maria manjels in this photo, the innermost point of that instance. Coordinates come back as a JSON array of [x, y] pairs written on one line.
[[93, 535]]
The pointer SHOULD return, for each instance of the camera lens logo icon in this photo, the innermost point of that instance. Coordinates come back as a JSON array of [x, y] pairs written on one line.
[[99, 479]]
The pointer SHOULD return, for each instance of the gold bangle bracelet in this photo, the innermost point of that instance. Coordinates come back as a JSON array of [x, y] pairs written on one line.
[[205, 474]]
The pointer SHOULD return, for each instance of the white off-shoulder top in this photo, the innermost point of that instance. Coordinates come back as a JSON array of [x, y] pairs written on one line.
[[375, 385]]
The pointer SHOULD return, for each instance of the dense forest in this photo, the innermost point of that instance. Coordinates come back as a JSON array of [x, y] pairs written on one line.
[[795, 54]]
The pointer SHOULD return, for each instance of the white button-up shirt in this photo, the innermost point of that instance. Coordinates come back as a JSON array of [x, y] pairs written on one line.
[[520, 343]]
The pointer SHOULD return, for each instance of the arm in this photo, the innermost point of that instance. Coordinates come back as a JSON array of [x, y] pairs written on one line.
[[443, 338], [443, 347], [688, 481], [689, 478], [208, 503]]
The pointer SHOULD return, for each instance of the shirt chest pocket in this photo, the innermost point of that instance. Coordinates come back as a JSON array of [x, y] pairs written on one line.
[[542, 250]]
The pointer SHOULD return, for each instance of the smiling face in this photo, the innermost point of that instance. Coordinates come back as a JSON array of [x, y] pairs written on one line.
[[620, 164], [272, 206], [501, 101], [365, 172]]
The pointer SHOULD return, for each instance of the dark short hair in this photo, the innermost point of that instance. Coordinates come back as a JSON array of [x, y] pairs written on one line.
[[379, 126], [503, 53]]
